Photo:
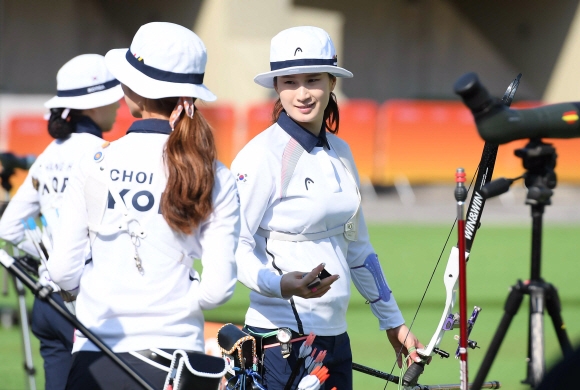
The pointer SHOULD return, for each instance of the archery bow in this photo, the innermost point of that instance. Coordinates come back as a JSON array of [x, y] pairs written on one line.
[[469, 88]]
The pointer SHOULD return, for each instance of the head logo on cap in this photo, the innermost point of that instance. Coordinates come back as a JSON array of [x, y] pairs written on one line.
[[296, 51]]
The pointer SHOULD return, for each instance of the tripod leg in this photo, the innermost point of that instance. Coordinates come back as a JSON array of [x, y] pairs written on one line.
[[555, 311], [4, 283], [511, 308], [28, 362], [536, 363]]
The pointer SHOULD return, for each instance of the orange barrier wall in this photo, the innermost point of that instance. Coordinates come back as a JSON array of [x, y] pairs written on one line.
[[258, 119], [222, 119], [27, 134], [424, 141], [358, 124]]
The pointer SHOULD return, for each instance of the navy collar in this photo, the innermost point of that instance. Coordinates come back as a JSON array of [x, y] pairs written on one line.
[[154, 126], [84, 124], [304, 137]]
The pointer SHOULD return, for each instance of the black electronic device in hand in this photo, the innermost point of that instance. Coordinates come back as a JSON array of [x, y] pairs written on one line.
[[322, 275]]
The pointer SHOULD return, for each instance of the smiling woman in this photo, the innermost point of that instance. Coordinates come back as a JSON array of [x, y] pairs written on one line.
[[306, 98], [303, 236]]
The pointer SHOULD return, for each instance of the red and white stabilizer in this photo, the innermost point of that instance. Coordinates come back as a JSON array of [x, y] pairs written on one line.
[[460, 196]]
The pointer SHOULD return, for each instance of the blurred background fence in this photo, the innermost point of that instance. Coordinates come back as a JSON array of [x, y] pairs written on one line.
[[408, 141]]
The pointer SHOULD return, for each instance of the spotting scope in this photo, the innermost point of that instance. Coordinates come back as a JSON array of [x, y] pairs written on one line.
[[499, 124]]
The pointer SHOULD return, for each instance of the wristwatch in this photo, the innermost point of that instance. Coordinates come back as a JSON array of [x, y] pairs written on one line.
[[284, 336]]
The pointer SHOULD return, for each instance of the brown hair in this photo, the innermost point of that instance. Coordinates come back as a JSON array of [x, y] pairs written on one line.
[[189, 158], [331, 118]]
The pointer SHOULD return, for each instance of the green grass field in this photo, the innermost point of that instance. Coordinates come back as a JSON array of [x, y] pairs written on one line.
[[408, 253]]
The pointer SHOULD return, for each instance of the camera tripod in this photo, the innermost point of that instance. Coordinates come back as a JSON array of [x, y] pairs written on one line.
[[29, 368], [539, 160]]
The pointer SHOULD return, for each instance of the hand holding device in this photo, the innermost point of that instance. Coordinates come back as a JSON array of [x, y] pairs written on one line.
[[313, 284], [322, 275]]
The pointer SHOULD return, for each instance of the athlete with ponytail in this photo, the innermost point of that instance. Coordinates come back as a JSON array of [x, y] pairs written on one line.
[[303, 237], [149, 204], [85, 106]]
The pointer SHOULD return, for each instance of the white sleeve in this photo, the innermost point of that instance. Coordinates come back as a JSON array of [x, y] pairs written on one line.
[[367, 274], [257, 192], [23, 205], [219, 239], [368, 280], [72, 238]]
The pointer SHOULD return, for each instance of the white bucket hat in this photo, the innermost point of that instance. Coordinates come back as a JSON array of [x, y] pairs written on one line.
[[84, 82], [299, 50], [164, 60]]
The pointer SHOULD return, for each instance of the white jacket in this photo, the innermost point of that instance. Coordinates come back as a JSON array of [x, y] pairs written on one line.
[[42, 190], [161, 308], [288, 184]]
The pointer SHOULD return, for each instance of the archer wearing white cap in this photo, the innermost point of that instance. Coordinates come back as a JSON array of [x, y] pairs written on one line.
[[303, 236], [149, 204], [85, 105]]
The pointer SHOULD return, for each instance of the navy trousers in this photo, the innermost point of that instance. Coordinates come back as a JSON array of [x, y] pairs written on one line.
[[276, 370], [56, 341]]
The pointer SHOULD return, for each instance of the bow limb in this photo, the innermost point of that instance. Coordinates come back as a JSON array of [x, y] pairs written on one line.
[[450, 279]]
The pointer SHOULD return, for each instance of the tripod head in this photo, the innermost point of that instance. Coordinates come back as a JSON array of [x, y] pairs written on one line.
[[539, 160]]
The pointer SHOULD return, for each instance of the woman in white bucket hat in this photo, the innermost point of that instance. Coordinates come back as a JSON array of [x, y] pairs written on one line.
[[149, 204], [85, 105], [303, 236]]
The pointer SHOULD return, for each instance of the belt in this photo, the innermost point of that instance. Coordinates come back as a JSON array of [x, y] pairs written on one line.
[[155, 357]]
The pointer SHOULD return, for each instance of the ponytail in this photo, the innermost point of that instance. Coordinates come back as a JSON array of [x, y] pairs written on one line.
[[59, 127], [189, 157], [330, 119]]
